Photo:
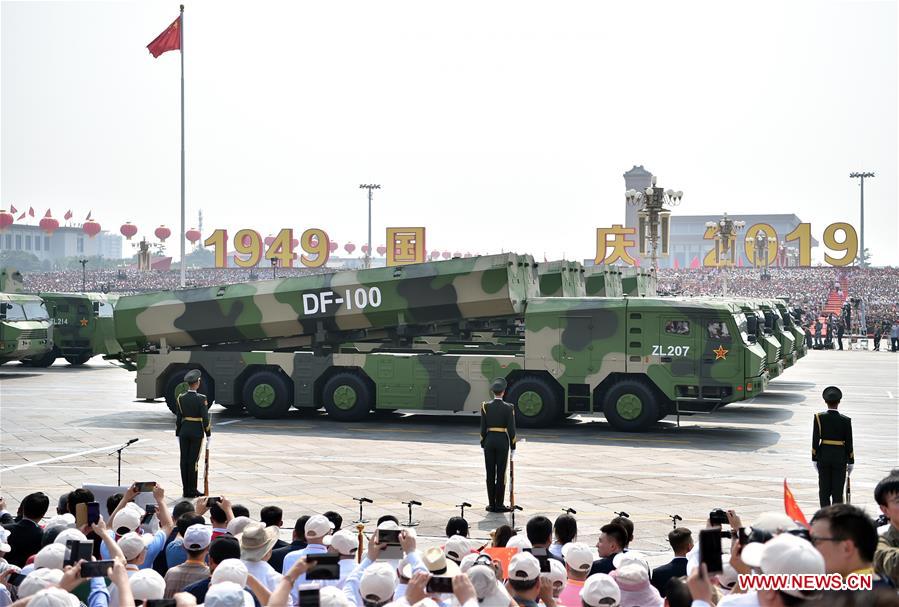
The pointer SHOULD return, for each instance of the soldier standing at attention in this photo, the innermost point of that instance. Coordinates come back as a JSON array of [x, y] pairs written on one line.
[[191, 424], [832, 448], [497, 437]]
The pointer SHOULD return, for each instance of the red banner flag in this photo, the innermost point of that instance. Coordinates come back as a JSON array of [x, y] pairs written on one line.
[[68, 215], [88, 218], [169, 40], [31, 211], [21, 217], [792, 508], [47, 214], [12, 209]]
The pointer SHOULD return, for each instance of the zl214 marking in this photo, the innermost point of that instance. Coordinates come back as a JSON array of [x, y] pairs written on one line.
[[670, 350], [354, 299]]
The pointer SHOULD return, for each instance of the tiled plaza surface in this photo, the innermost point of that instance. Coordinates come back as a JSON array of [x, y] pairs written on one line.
[[58, 424]]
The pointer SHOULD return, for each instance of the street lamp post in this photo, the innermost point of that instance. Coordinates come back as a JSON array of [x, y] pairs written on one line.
[[651, 203], [862, 255], [83, 261], [274, 268], [760, 243], [369, 187], [725, 241]]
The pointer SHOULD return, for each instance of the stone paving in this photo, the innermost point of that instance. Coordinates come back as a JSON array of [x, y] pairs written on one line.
[[58, 424]]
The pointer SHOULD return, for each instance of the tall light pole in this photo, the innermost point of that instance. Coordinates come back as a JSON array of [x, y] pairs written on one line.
[[862, 256], [651, 204], [760, 243], [83, 261], [369, 187], [726, 241]]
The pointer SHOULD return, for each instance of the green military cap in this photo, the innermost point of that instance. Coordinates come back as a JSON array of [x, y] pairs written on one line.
[[832, 394], [192, 376], [499, 385]]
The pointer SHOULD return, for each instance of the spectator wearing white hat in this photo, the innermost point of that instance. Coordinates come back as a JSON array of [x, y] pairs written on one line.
[[600, 590], [196, 542], [578, 560], [557, 577], [632, 576], [238, 524], [456, 548], [345, 545], [38, 580], [519, 541], [524, 579], [54, 597], [317, 528], [228, 594], [147, 584], [221, 549], [256, 544], [414, 564], [155, 542], [134, 548]]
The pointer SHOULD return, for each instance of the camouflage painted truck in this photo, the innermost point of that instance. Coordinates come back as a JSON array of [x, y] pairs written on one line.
[[757, 331], [603, 281], [24, 327], [83, 327], [791, 322], [774, 323], [354, 342], [637, 282], [561, 279]]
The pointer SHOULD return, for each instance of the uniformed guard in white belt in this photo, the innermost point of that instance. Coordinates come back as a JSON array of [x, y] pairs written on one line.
[[497, 437], [191, 425]]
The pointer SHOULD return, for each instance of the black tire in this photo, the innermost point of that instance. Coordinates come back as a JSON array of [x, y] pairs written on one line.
[[631, 406], [536, 402], [176, 385], [267, 395], [347, 397], [77, 361], [43, 361]]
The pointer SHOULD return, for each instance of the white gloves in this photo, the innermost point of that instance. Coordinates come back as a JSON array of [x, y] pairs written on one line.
[[816, 466], [849, 468], [208, 441]]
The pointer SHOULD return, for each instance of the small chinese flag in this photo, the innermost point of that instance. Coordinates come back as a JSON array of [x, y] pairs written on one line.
[[88, 218], [68, 215], [12, 208], [169, 40], [31, 211], [791, 507], [47, 214], [21, 217]]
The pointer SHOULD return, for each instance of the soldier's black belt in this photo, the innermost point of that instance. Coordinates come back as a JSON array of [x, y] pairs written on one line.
[[837, 443], [192, 419]]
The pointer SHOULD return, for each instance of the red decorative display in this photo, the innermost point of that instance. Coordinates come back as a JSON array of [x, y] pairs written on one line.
[[382, 250], [435, 254], [269, 240], [365, 249], [349, 247], [91, 228], [128, 230], [162, 233], [446, 254], [6, 219], [48, 224], [193, 235], [332, 246]]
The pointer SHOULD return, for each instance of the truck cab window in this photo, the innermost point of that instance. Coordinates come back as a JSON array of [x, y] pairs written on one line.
[[718, 330], [677, 327]]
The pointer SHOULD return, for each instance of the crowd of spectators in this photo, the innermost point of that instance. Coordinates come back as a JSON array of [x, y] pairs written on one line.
[[212, 552]]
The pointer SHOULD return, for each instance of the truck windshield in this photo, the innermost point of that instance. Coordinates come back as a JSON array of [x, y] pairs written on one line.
[[102, 309], [35, 310], [12, 311], [742, 327]]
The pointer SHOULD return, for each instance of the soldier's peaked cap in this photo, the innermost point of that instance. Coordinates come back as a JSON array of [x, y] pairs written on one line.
[[832, 394], [192, 376], [499, 385]]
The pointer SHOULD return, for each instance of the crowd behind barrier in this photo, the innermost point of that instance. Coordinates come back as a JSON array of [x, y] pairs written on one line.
[[213, 552]]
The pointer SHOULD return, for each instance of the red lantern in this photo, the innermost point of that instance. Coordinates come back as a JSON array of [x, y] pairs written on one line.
[[193, 235], [447, 254], [48, 224], [349, 247], [91, 228], [6, 219], [269, 240], [294, 244], [128, 230], [435, 254], [313, 240], [381, 250], [162, 233], [247, 240], [332, 246], [365, 249]]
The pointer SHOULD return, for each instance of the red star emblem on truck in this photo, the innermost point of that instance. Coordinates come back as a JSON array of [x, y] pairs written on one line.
[[83, 322], [720, 353]]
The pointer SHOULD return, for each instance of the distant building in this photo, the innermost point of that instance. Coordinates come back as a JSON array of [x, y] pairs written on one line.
[[687, 240], [64, 242]]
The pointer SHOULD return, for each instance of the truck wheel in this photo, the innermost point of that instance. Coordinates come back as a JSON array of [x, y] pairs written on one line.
[[536, 403], [630, 406], [43, 361], [347, 397], [176, 385], [77, 361], [267, 395]]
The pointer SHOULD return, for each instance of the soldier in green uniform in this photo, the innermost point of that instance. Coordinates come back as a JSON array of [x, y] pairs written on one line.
[[191, 425], [832, 448], [497, 436]]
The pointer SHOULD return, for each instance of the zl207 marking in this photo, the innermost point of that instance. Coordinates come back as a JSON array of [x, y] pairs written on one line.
[[359, 298], [670, 350]]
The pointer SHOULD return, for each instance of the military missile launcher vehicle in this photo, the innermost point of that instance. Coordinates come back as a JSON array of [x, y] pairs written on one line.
[[561, 279], [603, 281], [433, 336], [792, 322], [82, 328], [774, 323], [757, 331], [637, 282], [24, 327]]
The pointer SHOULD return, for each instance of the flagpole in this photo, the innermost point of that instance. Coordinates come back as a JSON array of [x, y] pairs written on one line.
[[182, 234]]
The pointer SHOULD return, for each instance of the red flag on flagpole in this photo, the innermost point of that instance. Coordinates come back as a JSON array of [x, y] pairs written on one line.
[[31, 211], [47, 214], [68, 215], [12, 209], [792, 508], [88, 218], [21, 217], [169, 40]]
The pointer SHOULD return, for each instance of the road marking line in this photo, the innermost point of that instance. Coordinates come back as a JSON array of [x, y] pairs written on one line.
[[62, 457], [233, 421]]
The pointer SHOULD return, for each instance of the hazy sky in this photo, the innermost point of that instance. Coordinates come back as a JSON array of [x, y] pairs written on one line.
[[494, 124]]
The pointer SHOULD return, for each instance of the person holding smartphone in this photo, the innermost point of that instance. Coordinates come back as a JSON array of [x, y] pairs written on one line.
[[191, 426]]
